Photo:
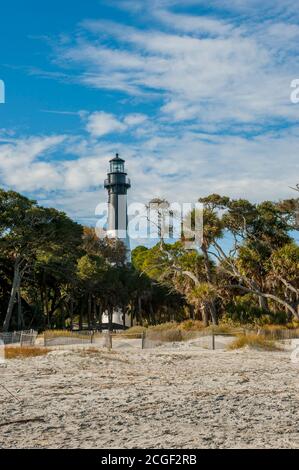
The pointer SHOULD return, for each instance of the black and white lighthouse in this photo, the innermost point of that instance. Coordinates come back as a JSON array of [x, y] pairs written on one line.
[[117, 185]]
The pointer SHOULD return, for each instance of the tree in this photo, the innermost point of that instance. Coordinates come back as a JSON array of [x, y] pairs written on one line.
[[257, 231], [25, 229]]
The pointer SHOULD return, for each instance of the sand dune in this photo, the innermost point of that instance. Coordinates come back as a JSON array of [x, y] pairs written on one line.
[[158, 398]]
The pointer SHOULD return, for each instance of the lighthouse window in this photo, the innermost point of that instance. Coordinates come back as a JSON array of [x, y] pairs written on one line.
[[117, 167]]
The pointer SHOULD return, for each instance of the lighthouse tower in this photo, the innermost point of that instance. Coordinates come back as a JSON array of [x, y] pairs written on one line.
[[117, 185]]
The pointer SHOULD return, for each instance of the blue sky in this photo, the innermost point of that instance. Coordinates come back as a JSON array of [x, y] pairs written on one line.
[[195, 98]]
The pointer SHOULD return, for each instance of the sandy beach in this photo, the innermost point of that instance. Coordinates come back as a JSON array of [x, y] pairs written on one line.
[[160, 398]]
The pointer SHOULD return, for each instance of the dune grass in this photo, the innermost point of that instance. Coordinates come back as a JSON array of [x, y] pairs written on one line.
[[66, 334], [254, 341], [22, 352], [135, 330], [191, 325]]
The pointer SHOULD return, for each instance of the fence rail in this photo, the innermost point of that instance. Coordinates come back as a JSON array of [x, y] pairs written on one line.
[[24, 338], [206, 339], [101, 339], [54, 338], [279, 334]]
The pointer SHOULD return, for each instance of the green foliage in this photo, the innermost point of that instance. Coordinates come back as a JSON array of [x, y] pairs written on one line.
[[243, 311], [90, 268], [54, 273], [285, 262]]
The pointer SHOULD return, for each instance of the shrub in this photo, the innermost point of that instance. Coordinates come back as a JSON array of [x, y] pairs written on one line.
[[66, 334], [19, 352], [243, 311], [163, 326], [191, 325], [135, 330], [165, 335], [222, 328], [255, 342]]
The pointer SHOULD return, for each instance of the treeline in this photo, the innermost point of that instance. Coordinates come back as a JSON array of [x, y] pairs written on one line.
[[255, 280], [54, 273]]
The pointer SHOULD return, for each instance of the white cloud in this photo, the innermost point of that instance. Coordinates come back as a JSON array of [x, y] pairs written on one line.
[[198, 24], [135, 119], [221, 86], [21, 166], [179, 167], [204, 69], [101, 123]]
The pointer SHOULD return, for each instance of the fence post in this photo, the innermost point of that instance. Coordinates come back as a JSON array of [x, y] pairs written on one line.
[[143, 340], [91, 337], [108, 342], [21, 339], [213, 341]]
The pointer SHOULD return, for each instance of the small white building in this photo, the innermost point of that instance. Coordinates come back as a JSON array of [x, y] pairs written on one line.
[[117, 319]]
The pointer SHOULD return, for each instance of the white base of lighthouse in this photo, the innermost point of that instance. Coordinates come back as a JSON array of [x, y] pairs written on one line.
[[117, 318]]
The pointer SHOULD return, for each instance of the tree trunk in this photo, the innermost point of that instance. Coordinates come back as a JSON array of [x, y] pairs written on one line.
[[139, 311], [63, 307], [191, 310], [47, 307], [124, 317], [205, 315], [15, 285], [100, 316], [72, 314], [152, 314], [20, 313], [89, 311], [213, 311], [267, 296], [81, 315], [110, 318], [43, 309], [263, 304], [213, 308], [95, 314]]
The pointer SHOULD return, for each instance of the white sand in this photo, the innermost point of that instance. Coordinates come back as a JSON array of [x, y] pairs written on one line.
[[158, 398]]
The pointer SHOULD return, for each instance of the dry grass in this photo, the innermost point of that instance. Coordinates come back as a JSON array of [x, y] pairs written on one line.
[[65, 333], [22, 352], [273, 327], [135, 330], [224, 329], [163, 326], [191, 325], [279, 332], [190, 329], [255, 342], [167, 336], [184, 331]]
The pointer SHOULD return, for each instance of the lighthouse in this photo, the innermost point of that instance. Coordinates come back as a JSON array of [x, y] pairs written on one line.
[[117, 185]]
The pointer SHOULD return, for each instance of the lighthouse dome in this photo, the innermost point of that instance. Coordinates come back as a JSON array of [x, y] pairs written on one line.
[[117, 165]]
